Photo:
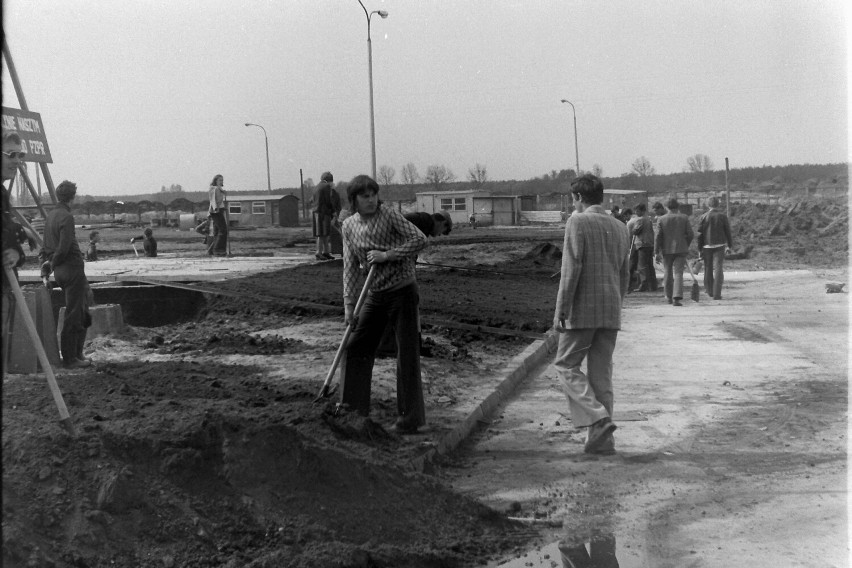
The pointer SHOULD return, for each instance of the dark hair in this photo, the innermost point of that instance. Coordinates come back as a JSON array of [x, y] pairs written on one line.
[[216, 177], [641, 208], [93, 234], [713, 201], [358, 185], [672, 204], [589, 189], [149, 232], [12, 136], [657, 206], [66, 191], [443, 216], [627, 212]]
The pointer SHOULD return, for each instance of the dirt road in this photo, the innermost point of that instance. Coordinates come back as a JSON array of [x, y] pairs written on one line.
[[732, 436]]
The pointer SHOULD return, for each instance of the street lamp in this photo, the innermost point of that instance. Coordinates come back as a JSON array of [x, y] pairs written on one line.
[[369, 15], [576, 151], [266, 139]]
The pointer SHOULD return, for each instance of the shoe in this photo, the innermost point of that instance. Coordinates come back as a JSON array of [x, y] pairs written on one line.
[[676, 303], [405, 425], [598, 434], [669, 300], [717, 297], [319, 256], [607, 447], [77, 364], [327, 256], [84, 359]]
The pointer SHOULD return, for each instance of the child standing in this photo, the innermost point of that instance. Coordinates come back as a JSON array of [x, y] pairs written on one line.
[[92, 252]]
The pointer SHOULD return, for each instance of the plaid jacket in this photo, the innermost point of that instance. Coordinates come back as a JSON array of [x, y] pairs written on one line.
[[595, 270]]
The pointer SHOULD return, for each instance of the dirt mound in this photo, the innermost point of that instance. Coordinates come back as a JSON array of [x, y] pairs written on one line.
[[199, 464]]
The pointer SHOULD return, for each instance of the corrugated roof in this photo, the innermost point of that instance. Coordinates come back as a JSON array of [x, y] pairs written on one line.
[[265, 197]]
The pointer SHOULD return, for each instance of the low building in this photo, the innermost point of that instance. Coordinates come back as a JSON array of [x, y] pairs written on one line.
[[489, 209], [624, 198], [263, 210]]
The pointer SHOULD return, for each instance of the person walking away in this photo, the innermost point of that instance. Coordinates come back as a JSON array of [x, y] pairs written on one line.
[[380, 236], [62, 254], [674, 235], [216, 194], [642, 232], [92, 251], [324, 214], [149, 243], [594, 279], [13, 235], [714, 241]]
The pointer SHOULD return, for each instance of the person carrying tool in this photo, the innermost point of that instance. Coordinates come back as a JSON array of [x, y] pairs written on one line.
[[431, 224], [594, 279], [62, 256], [714, 240], [380, 236], [149, 243], [219, 243], [642, 231], [674, 235]]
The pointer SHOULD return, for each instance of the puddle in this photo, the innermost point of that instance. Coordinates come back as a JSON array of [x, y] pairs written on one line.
[[603, 552]]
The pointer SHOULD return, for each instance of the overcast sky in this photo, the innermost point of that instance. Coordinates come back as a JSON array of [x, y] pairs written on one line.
[[139, 94]]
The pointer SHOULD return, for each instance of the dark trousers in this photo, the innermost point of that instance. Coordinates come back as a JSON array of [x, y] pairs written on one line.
[[219, 241], [72, 280], [399, 307], [714, 275], [645, 268]]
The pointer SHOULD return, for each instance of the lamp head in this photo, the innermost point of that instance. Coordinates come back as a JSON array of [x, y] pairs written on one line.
[[248, 123], [382, 13], [564, 100]]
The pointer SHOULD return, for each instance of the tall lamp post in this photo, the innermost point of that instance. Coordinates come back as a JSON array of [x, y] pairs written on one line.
[[369, 15], [576, 150], [266, 139]]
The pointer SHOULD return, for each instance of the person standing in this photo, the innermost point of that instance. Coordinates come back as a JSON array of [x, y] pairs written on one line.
[[149, 243], [92, 252], [380, 237], [216, 194], [642, 232], [594, 279], [674, 235], [62, 254], [327, 207], [714, 240], [13, 234]]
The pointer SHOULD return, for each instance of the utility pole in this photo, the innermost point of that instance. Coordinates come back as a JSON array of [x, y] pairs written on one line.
[[304, 205], [727, 191]]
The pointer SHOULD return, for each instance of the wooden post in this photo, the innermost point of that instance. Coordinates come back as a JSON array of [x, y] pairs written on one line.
[[727, 190], [304, 205]]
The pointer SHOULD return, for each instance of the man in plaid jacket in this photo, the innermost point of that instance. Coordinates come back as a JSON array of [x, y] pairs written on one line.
[[595, 276]]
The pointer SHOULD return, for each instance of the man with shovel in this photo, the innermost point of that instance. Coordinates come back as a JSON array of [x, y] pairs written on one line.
[[63, 257]]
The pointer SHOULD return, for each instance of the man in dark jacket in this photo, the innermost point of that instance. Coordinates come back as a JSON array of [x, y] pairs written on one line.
[[674, 235], [149, 243], [327, 207], [714, 239], [64, 258]]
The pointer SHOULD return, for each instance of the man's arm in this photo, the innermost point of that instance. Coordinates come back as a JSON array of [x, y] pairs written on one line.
[[66, 237], [702, 228], [572, 265]]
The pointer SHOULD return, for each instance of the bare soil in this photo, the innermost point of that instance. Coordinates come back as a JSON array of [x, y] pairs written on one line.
[[200, 444]]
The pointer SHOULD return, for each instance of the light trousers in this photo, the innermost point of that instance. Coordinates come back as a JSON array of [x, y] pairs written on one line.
[[589, 394], [714, 276], [673, 277]]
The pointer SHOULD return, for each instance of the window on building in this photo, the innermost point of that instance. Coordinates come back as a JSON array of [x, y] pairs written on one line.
[[453, 203], [235, 208], [258, 207]]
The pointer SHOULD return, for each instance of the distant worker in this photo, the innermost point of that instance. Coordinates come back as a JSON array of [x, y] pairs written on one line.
[[472, 219], [642, 232], [326, 209], [431, 224], [714, 240], [219, 242], [62, 255], [594, 279], [13, 234], [674, 235], [149, 243], [92, 251], [380, 236]]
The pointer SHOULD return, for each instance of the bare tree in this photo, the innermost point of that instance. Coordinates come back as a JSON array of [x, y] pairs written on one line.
[[643, 167], [386, 175], [409, 174], [477, 175], [439, 175], [597, 170], [699, 163]]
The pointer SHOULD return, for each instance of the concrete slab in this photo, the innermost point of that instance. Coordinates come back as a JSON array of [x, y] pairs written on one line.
[[171, 267]]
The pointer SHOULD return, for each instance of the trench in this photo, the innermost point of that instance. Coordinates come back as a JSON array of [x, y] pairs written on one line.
[[145, 305]]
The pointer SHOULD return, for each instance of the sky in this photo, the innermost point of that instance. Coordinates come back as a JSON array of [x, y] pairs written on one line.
[[142, 94]]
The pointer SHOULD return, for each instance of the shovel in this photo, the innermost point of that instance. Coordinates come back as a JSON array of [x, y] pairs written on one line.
[[133, 243], [326, 391], [64, 417], [696, 290]]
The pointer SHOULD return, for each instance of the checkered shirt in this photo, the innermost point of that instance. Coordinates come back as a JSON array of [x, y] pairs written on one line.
[[385, 231]]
